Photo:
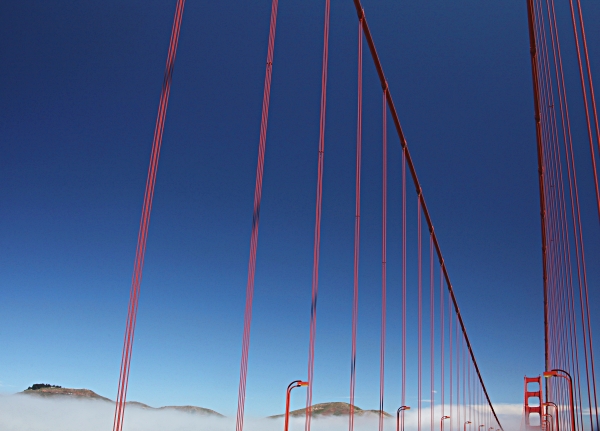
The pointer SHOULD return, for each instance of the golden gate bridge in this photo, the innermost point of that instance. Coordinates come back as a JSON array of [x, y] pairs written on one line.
[[564, 395]]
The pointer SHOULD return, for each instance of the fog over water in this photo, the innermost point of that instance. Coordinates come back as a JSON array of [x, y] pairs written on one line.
[[28, 413]]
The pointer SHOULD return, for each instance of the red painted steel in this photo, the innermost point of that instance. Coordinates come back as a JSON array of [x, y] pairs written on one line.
[[239, 426], [536, 409], [294, 384], [419, 316], [562, 330], [317, 243], [585, 103], [408, 159], [356, 233], [431, 331], [403, 283], [145, 222], [574, 200], [383, 264], [586, 311], [442, 347], [451, 354]]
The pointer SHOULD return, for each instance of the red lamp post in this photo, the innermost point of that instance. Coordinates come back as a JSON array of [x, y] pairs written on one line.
[[548, 414], [556, 373], [442, 422], [556, 415], [465, 426], [294, 384], [400, 409]]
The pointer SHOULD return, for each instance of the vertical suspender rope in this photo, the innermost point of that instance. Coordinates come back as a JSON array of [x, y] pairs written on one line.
[[584, 301], [451, 352], [356, 232], [239, 425], [464, 373], [547, 125], [383, 265], [442, 336], [587, 112], [431, 330], [589, 73], [419, 315], [579, 248], [403, 284], [457, 379], [595, 112], [574, 198], [145, 222], [317, 243], [469, 392], [458, 359]]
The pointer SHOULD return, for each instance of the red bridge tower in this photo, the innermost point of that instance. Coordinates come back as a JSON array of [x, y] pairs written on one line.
[[535, 409]]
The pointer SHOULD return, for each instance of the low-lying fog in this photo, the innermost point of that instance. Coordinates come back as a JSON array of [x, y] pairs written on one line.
[[30, 413]]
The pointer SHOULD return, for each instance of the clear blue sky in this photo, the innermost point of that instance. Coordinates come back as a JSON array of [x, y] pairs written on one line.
[[79, 90]]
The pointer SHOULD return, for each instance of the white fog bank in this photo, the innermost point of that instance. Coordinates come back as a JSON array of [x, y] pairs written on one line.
[[28, 413]]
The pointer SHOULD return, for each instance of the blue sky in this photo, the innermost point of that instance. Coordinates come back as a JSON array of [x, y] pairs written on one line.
[[79, 89]]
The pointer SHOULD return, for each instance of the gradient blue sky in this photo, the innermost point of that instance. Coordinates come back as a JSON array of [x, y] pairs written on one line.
[[79, 89]]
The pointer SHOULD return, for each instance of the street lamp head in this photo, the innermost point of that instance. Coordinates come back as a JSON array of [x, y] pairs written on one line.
[[402, 408], [548, 374], [302, 383], [445, 417], [468, 422]]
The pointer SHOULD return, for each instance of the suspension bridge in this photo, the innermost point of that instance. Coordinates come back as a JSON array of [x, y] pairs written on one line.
[[563, 395]]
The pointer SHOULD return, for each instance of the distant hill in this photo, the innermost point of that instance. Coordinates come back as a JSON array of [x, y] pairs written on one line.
[[193, 410], [332, 409], [48, 391], [57, 391]]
